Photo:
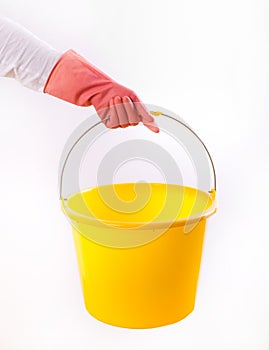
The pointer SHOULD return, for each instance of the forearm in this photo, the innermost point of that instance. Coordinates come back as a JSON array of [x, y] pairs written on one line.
[[24, 57]]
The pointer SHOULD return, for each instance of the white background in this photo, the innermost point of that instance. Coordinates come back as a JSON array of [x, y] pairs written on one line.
[[209, 62]]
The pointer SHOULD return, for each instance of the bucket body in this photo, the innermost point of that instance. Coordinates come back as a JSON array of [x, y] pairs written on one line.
[[142, 287], [153, 282]]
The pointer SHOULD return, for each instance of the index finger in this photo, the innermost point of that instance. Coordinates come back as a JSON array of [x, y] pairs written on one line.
[[152, 126], [143, 112]]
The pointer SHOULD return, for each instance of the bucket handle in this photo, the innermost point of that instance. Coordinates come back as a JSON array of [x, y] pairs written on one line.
[[156, 114]]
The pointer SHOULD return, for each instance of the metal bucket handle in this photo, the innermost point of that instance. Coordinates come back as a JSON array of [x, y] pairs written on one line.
[[155, 113]]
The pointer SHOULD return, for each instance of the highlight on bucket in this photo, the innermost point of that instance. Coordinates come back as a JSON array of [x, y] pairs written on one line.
[[138, 202]]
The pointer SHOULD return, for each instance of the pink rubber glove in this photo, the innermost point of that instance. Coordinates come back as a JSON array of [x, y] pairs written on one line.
[[75, 80]]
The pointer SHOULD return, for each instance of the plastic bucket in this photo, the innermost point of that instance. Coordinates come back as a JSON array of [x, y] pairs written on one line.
[[139, 269]]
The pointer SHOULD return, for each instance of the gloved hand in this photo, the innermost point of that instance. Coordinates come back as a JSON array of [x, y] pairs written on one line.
[[75, 80]]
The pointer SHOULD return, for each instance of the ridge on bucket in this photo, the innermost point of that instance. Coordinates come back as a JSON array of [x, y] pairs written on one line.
[[138, 243]]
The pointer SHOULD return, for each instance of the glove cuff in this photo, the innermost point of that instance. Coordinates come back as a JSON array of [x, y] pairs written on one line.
[[75, 80]]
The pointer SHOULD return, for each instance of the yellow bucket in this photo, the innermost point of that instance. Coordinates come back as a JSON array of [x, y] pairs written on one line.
[[139, 269]]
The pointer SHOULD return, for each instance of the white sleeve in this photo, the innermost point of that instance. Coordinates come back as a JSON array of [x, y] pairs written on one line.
[[24, 57]]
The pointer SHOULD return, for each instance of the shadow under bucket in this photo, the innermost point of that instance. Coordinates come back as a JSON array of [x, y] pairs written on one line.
[[139, 248]]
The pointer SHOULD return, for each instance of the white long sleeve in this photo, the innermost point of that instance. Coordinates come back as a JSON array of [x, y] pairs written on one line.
[[24, 57]]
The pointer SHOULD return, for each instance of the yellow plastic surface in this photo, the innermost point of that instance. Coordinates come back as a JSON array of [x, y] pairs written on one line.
[[147, 285], [136, 204]]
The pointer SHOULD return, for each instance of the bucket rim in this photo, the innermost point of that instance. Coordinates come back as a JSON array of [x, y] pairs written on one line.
[[94, 221]]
